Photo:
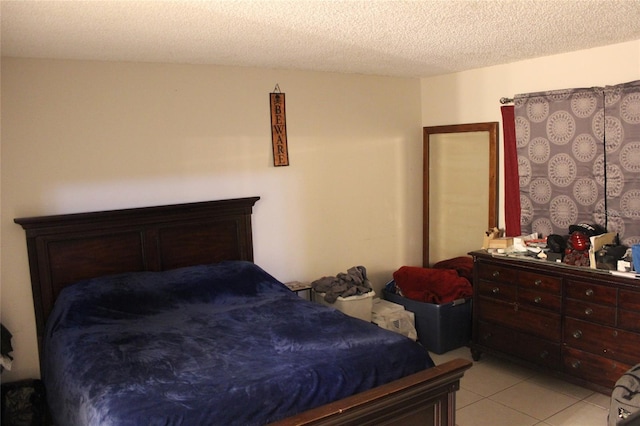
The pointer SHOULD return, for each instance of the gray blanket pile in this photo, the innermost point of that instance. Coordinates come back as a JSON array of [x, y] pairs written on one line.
[[352, 283]]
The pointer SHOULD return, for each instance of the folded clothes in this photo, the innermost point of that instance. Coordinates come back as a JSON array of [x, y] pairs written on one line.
[[432, 285], [354, 282]]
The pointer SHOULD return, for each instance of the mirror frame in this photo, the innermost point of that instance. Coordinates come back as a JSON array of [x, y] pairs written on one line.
[[492, 129]]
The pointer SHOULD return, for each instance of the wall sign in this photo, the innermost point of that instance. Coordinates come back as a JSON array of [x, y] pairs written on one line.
[[279, 128]]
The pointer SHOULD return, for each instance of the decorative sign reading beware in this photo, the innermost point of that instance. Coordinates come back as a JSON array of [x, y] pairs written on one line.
[[279, 129]]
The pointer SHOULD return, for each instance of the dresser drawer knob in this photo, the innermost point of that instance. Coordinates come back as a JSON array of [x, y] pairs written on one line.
[[575, 364], [487, 336], [495, 290], [537, 282], [544, 354], [538, 299], [577, 334], [589, 292], [588, 311], [496, 274]]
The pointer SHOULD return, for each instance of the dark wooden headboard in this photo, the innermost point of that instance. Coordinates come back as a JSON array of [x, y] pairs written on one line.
[[64, 249]]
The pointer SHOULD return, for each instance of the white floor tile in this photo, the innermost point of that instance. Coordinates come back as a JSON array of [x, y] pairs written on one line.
[[496, 392], [580, 414], [490, 413], [534, 400], [487, 379], [561, 386], [465, 397], [601, 400]]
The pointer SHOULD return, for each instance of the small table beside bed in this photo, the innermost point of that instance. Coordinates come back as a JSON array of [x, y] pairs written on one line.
[[158, 315]]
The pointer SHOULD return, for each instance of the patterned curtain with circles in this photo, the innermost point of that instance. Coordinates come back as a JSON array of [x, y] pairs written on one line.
[[620, 128], [579, 159]]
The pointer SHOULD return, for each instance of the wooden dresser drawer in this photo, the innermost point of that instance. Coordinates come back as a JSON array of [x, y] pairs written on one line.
[[497, 337], [539, 299], [590, 311], [541, 282], [629, 310], [536, 322], [496, 273], [606, 341], [497, 290], [591, 292], [629, 300], [584, 324], [495, 311], [539, 351], [593, 368], [540, 323], [629, 320], [533, 349]]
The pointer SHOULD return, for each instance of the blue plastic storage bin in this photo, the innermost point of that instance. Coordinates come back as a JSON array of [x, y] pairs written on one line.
[[440, 328]]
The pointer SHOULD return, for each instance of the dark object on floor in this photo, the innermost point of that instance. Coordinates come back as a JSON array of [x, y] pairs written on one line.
[[24, 404], [625, 399]]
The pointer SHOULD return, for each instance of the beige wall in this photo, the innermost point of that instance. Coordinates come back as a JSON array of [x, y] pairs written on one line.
[[473, 96], [85, 136]]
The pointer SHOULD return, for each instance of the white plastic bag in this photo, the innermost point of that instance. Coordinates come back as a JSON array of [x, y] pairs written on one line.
[[394, 317]]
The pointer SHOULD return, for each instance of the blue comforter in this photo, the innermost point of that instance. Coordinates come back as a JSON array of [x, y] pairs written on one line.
[[207, 345]]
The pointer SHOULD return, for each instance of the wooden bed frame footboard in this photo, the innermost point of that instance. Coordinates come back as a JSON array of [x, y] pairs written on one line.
[[425, 398], [64, 249]]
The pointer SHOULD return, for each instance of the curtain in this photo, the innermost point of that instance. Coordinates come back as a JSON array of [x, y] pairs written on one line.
[[619, 126], [511, 183], [579, 159]]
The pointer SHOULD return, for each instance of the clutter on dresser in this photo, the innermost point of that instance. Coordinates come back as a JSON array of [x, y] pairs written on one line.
[[585, 245]]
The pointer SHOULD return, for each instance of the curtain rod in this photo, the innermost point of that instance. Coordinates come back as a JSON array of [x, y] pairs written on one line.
[[506, 100]]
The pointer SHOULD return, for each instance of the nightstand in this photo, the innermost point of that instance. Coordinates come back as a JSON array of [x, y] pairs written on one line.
[[298, 286]]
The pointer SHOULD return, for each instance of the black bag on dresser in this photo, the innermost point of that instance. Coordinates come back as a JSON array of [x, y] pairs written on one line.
[[625, 400]]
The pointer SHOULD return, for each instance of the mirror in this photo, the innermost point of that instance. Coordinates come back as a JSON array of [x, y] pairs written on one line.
[[460, 186]]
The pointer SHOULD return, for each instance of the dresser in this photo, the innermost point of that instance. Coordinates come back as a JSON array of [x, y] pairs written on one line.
[[580, 323]]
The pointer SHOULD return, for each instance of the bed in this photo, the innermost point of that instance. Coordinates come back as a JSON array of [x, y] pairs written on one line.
[[142, 318]]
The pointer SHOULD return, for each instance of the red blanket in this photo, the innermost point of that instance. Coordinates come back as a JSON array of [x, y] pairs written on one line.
[[432, 285], [462, 264]]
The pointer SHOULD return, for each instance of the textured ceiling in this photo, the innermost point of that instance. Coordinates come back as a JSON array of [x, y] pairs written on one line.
[[380, 37]]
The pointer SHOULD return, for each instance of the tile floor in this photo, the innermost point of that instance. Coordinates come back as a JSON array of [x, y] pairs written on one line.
[[494, 392]]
